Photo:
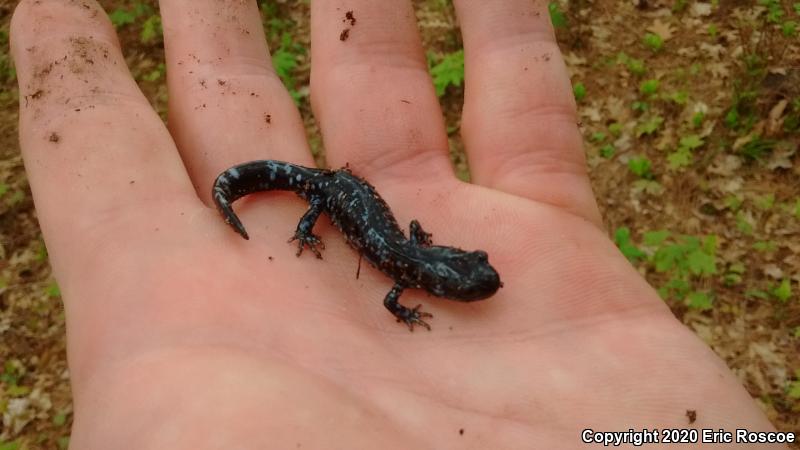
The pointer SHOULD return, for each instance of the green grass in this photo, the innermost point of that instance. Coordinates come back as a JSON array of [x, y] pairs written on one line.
[[757, 148]]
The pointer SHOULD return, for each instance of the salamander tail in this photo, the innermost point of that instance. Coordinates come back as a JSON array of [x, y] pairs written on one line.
[[233, 220], [257, 176], [224, 207]]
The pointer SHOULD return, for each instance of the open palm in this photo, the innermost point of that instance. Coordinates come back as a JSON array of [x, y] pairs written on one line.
[[183, 335]]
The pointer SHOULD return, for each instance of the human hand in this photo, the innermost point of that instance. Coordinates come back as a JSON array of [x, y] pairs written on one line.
[[183, 335]]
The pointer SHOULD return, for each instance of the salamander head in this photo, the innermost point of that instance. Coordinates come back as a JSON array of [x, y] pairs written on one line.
[[459, 275]]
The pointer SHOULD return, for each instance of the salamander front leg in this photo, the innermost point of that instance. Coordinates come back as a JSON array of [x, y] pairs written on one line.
[[303, 235], [409, 316], [418, 235]]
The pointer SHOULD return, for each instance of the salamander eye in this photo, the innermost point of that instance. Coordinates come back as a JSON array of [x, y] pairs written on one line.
[[481, 255]]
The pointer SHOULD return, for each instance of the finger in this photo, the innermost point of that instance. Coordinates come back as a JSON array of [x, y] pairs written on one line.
[[226, 104], [519, 122], [371, 91], [96, 154]]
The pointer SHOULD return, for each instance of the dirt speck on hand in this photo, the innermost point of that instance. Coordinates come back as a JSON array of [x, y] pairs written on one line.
[[54, 137], [349, 17], [345, 34]]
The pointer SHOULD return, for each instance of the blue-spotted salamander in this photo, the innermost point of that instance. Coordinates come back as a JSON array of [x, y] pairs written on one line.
[[368, 225]]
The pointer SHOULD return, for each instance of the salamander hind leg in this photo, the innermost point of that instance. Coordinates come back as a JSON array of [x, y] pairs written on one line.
[[409, 316], [418, 235], [303, 234]]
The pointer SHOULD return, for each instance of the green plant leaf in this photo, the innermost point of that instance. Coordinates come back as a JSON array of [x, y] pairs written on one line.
[[151, 29], [651, 187], [17, 391], [737, 268], [579, 90], [789, 28], [698, 118], [765, 246], [731, 279], [701, 263], [733, 202], [653, 41], [284, 62], [649, 87], [793, 390], [678, 287], [765, 202], [654, 238], [121, 17], [557, 17], [756, 293], [699, 300], [53, 290], [60, 419], [680, 97], [666, 258], [691, 142], [607, 151], [784, 290], [598, 136], [640, 166], [636, 67], [743, 223], [448, 72], [680, 158], [710, 244], [649, 126], [622, 237]]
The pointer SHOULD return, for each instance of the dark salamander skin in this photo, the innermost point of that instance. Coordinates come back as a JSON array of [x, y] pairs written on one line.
[[368, 225]]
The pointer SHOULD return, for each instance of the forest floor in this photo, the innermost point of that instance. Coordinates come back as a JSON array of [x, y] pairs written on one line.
[[690, 112]]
